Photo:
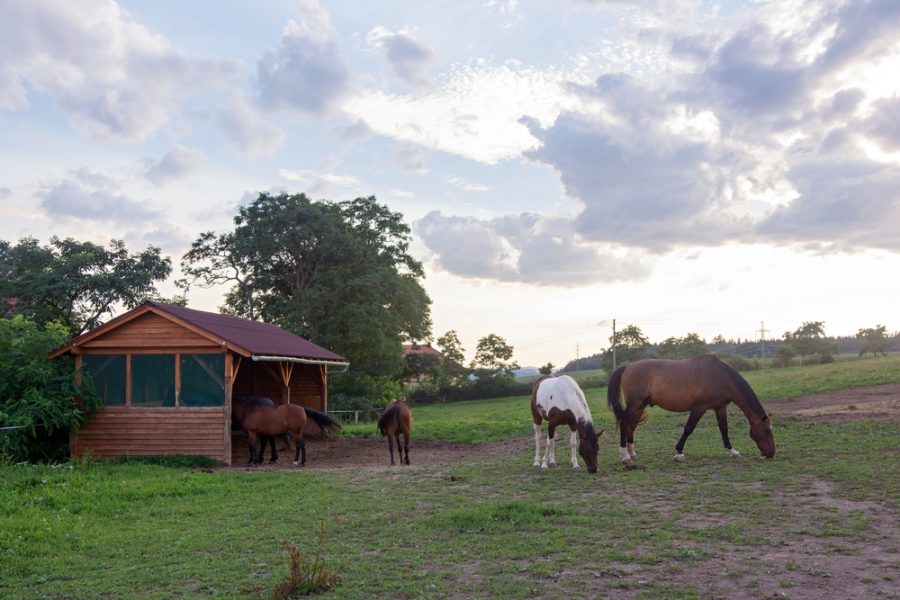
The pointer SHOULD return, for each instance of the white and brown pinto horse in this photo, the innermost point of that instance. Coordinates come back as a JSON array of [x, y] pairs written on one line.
[[695, 385], [560, 401]]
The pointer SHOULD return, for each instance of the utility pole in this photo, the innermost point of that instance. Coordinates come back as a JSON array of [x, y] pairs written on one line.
[[577, 357], [762, 339]]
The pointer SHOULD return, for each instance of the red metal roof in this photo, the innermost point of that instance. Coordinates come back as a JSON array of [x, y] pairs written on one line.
[[420, 349], [243, 335], [260, 339]]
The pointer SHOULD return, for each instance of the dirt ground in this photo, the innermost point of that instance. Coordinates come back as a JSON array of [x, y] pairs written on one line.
[[800, 565], [873, 403]]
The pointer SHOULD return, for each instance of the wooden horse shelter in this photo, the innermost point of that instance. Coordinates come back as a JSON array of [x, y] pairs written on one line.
[[167, 375]]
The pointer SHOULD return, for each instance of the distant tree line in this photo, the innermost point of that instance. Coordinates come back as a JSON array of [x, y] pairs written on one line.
[[805, 345]]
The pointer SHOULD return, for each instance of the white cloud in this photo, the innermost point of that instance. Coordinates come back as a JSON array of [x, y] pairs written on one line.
[[305, 72], [179, 162], [244, 126], [87, 195], [317, 183], [529, 248], [474, 112], [119, 81], [409, 58]]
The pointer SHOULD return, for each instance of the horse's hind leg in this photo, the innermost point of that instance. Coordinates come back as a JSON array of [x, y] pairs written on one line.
[[274, 457], [688, 429], [549, 459], [722, 420], [626, 444], [537, 444], [251, 447], [300, 450], [405, 445], [390, 438]]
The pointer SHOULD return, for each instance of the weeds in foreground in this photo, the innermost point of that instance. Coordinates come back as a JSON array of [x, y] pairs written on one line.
[[309, 574]]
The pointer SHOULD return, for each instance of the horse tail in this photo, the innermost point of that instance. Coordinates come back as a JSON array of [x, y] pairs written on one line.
[[390, 416], [325, 422], [613, 392]]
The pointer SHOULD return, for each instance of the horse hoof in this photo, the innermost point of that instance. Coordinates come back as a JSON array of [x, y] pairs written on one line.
[[679, 458], [296, 463], [576, 467], [734, 453], [628, 462], [544, 467]]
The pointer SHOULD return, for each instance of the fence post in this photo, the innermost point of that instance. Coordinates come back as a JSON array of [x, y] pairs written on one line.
[[356, 416]]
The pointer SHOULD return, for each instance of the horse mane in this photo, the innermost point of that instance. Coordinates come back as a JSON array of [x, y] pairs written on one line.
[[574, 387], [749, 396]]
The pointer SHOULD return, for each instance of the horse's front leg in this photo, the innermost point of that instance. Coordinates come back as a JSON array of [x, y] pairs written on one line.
[[391, 447], [573, 447], [405, 446], [688, 429], [251, 447], [722, 420], [537, 444]]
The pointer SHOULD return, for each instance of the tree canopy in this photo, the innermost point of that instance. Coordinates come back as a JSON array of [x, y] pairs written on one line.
[[336, 273], [874, 340], [76, 283]]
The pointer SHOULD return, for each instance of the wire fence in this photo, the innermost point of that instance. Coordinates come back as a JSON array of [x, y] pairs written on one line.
[[356, 416]]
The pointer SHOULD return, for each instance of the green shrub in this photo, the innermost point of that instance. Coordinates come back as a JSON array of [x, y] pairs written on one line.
[[38, 395]]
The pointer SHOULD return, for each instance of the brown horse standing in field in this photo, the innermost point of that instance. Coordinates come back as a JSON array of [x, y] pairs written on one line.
[[560, 401], [694, 385], [259, 419], [397, 419]]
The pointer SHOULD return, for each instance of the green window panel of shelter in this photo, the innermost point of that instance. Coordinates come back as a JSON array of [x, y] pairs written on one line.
[[107, 372], [202, 380], [153, 380]]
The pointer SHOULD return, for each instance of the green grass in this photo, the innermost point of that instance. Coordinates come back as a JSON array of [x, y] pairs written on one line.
[[491, 528]]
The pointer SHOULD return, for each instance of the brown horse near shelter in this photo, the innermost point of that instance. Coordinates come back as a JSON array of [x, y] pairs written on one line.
[[396, 420], [695, 385], [258, 418]]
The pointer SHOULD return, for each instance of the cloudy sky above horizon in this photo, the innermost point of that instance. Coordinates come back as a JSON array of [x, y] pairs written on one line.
[[684, 166]]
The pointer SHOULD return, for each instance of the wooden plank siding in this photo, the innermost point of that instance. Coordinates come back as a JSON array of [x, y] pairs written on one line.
[[150, 333], [257, 379], [122, 431]]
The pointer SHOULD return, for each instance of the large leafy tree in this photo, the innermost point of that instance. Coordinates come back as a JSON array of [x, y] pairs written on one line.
[[75, 283], [337, 273], [494, 357]]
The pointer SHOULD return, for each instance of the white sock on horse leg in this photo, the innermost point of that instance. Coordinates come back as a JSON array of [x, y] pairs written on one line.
[[537, 445], [623, 454], [631, 452], [573, 445], [734, 453]]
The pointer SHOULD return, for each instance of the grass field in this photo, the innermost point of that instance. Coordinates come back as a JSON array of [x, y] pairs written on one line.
[[820, 520]]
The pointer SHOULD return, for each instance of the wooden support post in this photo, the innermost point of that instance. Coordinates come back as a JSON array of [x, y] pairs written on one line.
[[230, 372]]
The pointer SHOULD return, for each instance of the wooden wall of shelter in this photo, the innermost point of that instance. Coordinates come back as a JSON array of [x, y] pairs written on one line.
[[129, 430]]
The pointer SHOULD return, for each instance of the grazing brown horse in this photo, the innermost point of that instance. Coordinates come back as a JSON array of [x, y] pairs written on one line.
[[397, 419], [560, 401], [695, 385], [259, 419]]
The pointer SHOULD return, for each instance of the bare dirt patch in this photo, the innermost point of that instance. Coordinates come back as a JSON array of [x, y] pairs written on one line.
[[871, 403], [338, 452]]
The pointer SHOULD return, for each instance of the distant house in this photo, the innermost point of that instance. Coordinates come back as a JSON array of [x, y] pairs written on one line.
[[167, 375], [417, 358], [421, 350]]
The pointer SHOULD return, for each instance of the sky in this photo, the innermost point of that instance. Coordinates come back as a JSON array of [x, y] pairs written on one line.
[[683, 166]]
